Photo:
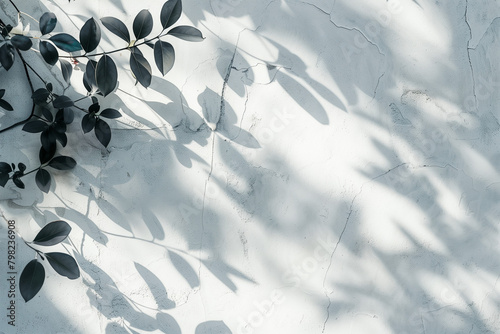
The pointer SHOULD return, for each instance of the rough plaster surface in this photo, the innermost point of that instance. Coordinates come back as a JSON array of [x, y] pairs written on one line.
[[311, 167]]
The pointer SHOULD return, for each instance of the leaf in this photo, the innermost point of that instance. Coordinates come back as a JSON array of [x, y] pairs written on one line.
[[95, 107], [89, 76], [187, 33], [5, 167], [110, 113], [170, 13], [35, 126], [62, 163], [117, 27], [21, 167], [49, 52], [47, 114], [102, 132], [45, 155], [185, 269], [66, 42], [164, 56], [66, 70], [7, 56], [21, 42], [42, 179], [143, 24], [31, 280], [106, 75], [5, 105], [68, 115], [49, 86], [48, 22], [2, 93], [18, 182], [62, 101], [64, 264], [4, 178], [48, 139], [141, 68], [88, 123], [52, 233], [62, 138], [90, 35], [40, 96]]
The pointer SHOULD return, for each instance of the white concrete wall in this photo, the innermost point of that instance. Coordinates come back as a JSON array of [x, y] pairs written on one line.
[[351, 184]]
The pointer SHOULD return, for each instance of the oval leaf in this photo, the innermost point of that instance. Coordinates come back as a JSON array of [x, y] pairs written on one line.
[[102, 132], [117, 27], [7, 56], [35, 126], [52, 233], [63, 264], [4, 178], [88, 123], [66, 42], [21, 42], [66, 70], [31, 280], [62, 101], [5, 167], [106, 75], [89, 76], [48, 139], [170, 13], [141, 68], [62, 163], [2, 93], [48, 22], [18, 182], [164, 56], [49, 52], [46, 155], [42, 179], [40, 96], [110, 113], [47, 114], [143, 24], [5, 105], [90, 35], [187, 33]]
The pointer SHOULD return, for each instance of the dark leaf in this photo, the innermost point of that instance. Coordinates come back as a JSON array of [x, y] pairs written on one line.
[[95, 107], [5, 167], [4, 178], [64, 264], [90, 35], [88, 123], [7, 56], [48, 139], [89, 76], [110, 113], [106, 75], [47, 114], [170, 13], [102, 132], [2, 93], [62, 163], [52, 233], [5, 105], [18, 182], [140, 68], [66, 70], [164, 56], [46, 155], [143, 24], [48, 22], [66, 42], [62, 138], [21, 42], [187, 33], [62, 101], [40, 96], [59, 127], [35, 126], [49, 52], [49, 86], [117, 27], [31, 280], [42, 179], [21, 167], [65, 115]]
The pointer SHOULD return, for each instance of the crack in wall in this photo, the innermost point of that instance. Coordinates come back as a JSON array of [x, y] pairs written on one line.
[[348, 218], [468, 54]]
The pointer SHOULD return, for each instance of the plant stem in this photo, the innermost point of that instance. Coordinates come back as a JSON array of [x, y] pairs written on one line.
[[14, 5], [36, 250]]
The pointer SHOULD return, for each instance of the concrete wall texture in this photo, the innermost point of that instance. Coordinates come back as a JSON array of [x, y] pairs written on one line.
[[312, 166]]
